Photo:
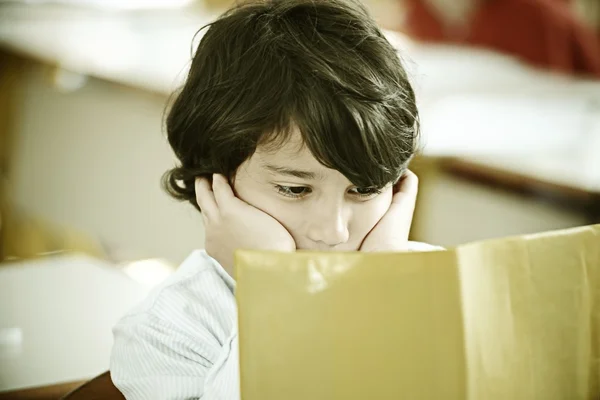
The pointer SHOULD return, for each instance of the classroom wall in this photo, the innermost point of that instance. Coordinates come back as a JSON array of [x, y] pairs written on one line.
[[92, 159]]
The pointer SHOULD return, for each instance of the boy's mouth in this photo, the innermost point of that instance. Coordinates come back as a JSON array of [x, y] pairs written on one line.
[[323, 248]]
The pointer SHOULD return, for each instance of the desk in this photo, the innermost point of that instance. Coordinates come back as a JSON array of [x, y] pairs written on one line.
[[143, 49], [567, 181], [56, 319]]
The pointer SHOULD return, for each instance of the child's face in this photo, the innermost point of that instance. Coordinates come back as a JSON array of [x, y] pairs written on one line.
[[319, 206]]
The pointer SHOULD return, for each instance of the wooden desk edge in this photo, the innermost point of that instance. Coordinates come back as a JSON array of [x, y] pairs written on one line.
[[479, 171], [49, 392]]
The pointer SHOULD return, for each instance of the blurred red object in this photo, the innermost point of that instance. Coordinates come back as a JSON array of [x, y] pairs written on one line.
[[543, 32]]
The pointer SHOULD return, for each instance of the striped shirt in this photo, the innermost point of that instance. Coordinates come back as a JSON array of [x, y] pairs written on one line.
[[182, 342]]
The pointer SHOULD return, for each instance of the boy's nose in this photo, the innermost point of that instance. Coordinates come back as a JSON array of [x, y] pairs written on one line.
[[330, 228]]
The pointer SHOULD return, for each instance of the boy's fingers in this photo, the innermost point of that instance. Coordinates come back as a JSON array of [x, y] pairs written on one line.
[[206, 198], [204, 219], [407, 187], [404, 201], [222, 190]]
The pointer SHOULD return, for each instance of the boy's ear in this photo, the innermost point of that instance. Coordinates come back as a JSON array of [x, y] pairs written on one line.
[[398, 182], [231, 180], [399, 179], [396, 187]]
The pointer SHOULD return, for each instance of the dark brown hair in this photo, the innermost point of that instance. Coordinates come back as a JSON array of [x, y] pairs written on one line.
[[321, 66]]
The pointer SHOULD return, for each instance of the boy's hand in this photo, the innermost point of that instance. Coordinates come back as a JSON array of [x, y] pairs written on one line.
[[233, 224], [391, 232]]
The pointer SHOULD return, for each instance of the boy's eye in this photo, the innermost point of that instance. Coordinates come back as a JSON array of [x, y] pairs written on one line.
[[293, 191], [365, 192]]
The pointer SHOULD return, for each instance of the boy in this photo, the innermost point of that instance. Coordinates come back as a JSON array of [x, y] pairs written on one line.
[[293, 130]]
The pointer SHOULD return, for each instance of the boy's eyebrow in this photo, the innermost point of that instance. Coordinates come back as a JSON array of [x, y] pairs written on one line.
[[296, 173]]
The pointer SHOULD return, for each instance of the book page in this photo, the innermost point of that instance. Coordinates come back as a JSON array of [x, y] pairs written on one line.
[[531, 315], [325, 326]]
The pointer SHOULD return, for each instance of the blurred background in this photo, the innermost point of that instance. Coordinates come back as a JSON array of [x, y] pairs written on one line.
[[509, 93]]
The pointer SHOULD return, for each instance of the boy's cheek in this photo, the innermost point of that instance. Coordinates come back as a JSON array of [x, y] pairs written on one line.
[[371, 212], [265, 202], [383, 202]]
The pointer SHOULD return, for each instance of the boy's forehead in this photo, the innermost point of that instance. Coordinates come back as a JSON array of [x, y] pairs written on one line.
[[292, 148], [292, 154], [289, 154], [290, 143]]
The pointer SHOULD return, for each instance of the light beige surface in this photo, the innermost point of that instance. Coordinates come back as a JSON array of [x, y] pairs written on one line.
[[514, 318], [56, 318]]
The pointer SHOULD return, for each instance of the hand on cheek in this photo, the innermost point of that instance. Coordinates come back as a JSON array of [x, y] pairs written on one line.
[[391, 232], [232, 224]]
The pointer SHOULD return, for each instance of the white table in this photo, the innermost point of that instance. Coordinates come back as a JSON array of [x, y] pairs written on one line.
[[147, 49], [56, 318]]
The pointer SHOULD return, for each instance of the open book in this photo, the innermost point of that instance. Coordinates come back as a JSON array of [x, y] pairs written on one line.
[[507, 319]]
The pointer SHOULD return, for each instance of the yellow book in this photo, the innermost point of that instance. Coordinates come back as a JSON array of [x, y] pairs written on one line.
[[508, 319]]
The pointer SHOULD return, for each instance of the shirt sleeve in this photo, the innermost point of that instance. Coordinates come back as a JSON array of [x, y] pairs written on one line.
[[152, 359], [181, 345], [419, 246]]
